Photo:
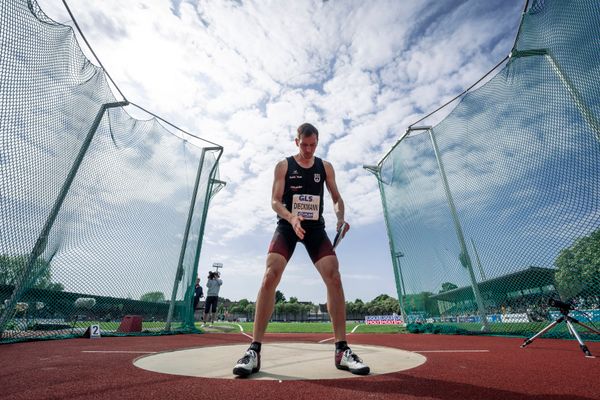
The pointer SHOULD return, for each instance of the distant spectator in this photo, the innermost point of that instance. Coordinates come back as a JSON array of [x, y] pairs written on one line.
[[198, 293], [212, 296]]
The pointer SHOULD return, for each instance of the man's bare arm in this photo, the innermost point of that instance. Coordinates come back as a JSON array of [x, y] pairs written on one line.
[[336, 197], [276, 196]]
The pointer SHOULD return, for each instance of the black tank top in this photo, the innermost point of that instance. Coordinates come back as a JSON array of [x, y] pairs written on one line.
[[304, 181]]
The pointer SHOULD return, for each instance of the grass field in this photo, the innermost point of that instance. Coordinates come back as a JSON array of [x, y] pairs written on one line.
[[274, 327], [111, 326], [507, 329], [522, 330]]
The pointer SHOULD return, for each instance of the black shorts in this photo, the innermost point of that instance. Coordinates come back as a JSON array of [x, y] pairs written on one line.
[[315, 240], [211, 304]]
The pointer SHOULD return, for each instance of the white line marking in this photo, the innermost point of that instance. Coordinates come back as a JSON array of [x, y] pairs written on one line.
[[331, 338], [118, 351], [451, 351], [243, 333], [326, 340]]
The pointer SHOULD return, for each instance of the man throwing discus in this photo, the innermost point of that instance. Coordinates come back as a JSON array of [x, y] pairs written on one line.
[[297, 198]]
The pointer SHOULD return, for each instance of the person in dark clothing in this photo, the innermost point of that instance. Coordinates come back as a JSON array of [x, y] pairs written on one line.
[[198, 294]]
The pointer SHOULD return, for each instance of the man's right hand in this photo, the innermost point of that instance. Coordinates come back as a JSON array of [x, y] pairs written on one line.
[[295, 221]]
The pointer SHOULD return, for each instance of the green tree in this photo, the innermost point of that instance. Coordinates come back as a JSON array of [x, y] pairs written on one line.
[[293, 299], [381, 297], [220, 310], [390, 306], [430, 305], [236, 309], [307, 308], [154, 297], [447, 286], [359, 306], [374, 308], [350, 308], [380, 305], [239, 307], [279, 297], [421, 303], [243, 303], [12, 266], [280, 310], [293, 309], [249, 310], [578, 267]]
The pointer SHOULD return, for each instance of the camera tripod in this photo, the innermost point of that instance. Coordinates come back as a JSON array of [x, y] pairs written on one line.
[[565, 317]]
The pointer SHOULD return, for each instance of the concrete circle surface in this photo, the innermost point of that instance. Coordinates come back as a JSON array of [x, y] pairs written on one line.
[[279, 361]]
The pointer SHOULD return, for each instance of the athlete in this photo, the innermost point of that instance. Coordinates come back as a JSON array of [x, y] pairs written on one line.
[[297, 198]]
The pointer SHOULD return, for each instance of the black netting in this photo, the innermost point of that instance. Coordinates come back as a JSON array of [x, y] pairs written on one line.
[[94, 204], [506, 215]]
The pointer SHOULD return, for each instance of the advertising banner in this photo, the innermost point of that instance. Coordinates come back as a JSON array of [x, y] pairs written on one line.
[[383, 320]]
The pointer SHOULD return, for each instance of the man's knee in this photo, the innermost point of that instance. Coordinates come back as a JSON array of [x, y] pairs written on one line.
[[329, 269], [333, 278], [271, 278], [275, 267]]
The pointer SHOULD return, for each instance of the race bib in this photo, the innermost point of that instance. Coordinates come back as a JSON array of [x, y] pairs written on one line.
[[306, 206]]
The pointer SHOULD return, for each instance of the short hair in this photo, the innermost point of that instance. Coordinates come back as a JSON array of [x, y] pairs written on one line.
[[307, 129]]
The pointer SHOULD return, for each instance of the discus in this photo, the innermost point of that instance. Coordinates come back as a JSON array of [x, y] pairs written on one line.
[[339, 235]]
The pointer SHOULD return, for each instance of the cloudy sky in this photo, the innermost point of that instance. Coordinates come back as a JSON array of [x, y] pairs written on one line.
[[245, 74]]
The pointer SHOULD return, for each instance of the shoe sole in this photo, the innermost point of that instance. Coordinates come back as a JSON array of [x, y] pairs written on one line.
[[244, 372], [359, 371]]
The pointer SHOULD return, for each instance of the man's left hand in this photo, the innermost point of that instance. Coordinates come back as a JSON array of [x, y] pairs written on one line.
[[339, 224]]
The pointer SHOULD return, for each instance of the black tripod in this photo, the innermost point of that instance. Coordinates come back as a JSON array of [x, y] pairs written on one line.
[[565, 308]]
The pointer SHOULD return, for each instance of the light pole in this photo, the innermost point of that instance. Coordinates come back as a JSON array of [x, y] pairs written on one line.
[[398, 255], [216, 266]]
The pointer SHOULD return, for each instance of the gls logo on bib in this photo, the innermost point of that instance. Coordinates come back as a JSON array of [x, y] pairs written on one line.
[[306, 205]]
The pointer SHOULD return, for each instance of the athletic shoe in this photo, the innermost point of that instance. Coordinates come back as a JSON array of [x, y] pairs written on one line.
[[248, 364], [349, 361]]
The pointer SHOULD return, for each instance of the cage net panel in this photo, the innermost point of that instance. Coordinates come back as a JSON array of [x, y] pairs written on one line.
[[115, 213], [518, 222]]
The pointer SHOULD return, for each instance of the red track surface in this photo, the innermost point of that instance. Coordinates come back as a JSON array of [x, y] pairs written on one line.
[[546, 369]]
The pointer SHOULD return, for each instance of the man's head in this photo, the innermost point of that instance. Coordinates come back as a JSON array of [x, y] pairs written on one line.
[[306, 129], [307, 138]]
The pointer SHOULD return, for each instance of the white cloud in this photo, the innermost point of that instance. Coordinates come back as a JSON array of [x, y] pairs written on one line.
[[244, 75]]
